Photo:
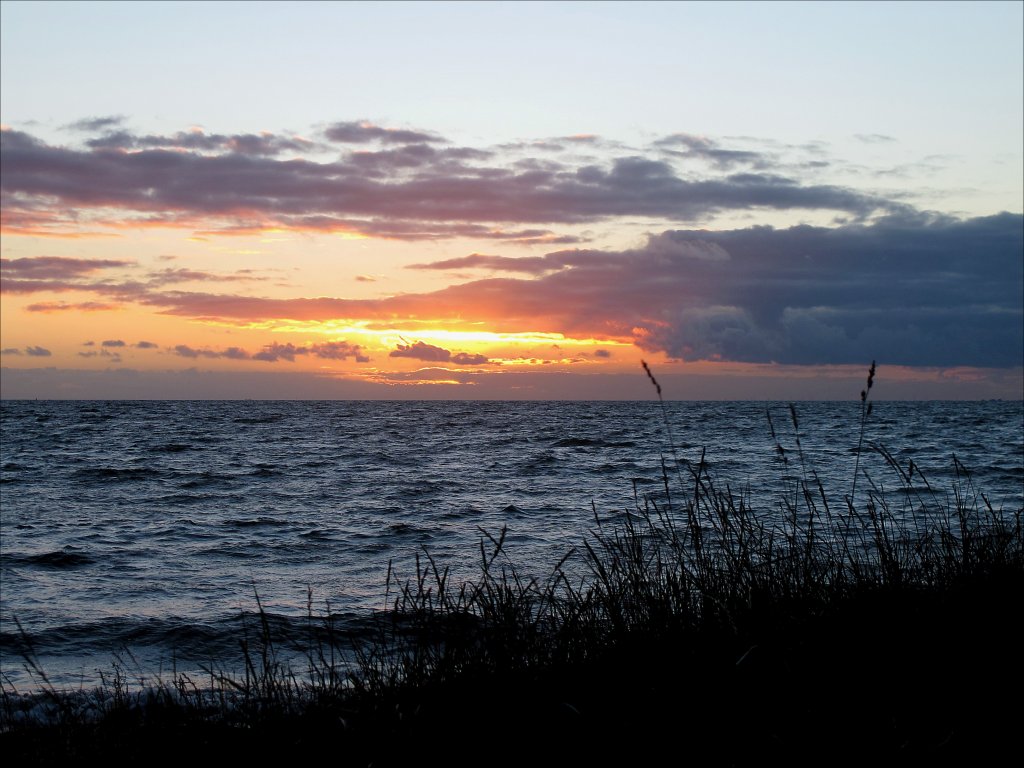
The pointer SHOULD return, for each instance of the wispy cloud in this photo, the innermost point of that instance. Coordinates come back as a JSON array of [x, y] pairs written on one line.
[[699, 147], [874, 138], [530, 264], [63, 306], [56, 267], [274, 352], [94, 124]]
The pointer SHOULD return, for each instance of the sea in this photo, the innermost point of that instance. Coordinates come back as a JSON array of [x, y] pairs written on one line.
[[145, 536]]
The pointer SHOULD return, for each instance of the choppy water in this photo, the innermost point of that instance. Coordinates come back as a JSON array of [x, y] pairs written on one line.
[[148, 526]]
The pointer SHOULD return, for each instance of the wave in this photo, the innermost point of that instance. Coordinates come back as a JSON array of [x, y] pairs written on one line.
[[588, 442], [63, 558], [174, 448], [126, 474], [253, 522]]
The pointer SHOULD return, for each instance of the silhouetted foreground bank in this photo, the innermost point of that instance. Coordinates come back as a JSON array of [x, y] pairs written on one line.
[[870, 628], [705, 632]]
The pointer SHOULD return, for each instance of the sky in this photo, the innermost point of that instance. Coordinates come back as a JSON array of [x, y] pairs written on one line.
[[522, 200]]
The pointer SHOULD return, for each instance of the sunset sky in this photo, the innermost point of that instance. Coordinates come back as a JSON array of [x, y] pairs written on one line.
[[512, 200]]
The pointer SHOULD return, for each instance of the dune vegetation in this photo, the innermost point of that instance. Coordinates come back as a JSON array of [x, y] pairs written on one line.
[[818, 629]]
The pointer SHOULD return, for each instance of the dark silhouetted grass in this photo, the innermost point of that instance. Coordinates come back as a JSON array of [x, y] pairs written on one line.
[[706, 631]]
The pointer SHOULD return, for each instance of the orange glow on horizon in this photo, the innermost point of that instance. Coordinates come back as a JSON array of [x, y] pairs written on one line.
[[434, 334]]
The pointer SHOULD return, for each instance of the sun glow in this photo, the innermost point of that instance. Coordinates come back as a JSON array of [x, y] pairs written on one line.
[[402, 335]]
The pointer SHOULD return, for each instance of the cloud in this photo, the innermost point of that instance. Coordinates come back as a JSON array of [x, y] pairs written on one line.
[[242, 144], [271, 353], [362, 132], [422, 351], [113, 343], [93, 124], [465, 358], [145, 345], [56, 267], [234, 353], [37, 352], [529, 264], [230, 353], [604, 353], [182, 275], [706, 149], [211, 183], [274, 352], [113, 357], [429, 353], [10, 351], [183, 350], [874, 138], [63, 306], [338, 350], [53, 274]]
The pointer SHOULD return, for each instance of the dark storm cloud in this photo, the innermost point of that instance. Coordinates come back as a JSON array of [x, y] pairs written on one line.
[[361, 132], [409, 191], [909, 291]]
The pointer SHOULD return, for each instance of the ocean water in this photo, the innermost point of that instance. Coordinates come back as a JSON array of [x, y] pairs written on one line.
[[143, 531]]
